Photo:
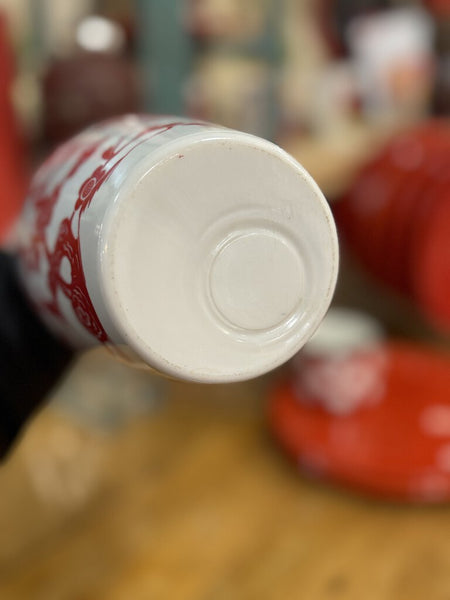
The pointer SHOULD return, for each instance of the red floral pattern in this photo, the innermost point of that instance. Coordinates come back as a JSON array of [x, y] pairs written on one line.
[[67, 244]]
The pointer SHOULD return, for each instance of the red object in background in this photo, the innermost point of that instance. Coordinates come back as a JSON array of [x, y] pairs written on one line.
[[440, 8], [396, 448], [394, 218], [13, 175], [431, 273]]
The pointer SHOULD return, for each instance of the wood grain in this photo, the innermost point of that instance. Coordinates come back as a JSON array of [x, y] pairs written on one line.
[[188, 497]]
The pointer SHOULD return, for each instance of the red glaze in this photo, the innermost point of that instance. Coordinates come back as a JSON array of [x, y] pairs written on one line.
[[386, 216], [67, 243], [396, 448]]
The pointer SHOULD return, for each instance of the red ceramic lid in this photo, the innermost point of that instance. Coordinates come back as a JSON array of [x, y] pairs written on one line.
[[430, 259], [384, 207], [404, 213], [398, 447], [440, 7], [417, 157]]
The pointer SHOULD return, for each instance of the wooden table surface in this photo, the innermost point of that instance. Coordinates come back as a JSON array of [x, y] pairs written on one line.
[[114, 494]]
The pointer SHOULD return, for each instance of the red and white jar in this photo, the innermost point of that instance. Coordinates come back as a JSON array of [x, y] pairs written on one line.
[[210, 253]]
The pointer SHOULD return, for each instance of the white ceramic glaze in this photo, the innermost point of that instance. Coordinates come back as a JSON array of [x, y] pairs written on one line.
[[345, 331], [343, 366], [211, 253]]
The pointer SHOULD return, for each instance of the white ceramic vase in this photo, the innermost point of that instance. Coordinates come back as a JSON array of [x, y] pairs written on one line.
[[210, 253]]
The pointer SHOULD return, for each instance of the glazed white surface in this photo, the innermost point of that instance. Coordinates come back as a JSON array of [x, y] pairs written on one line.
[[221, 259], [212, 254]]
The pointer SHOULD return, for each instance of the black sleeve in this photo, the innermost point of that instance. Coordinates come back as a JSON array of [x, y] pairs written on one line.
[[31, 359]]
